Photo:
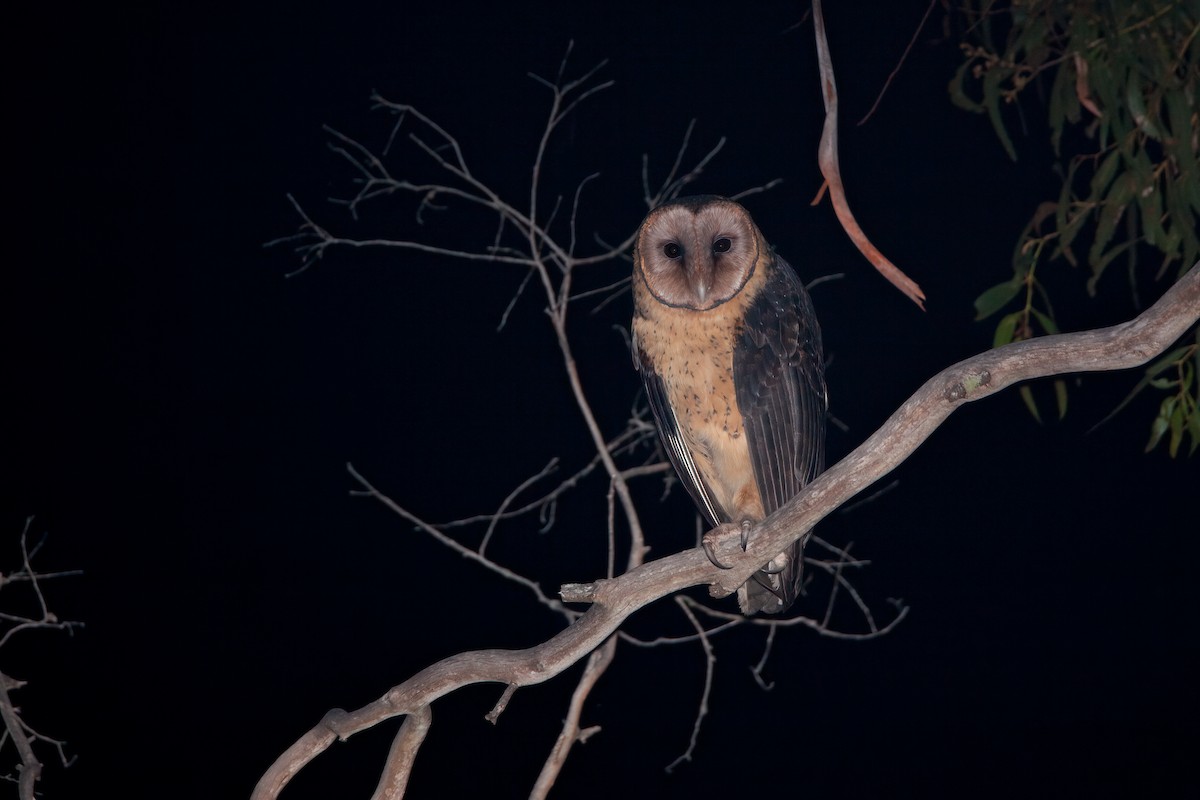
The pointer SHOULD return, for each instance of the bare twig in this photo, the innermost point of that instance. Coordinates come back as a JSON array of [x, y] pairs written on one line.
[[597, 663], [710, 661], [815, 625], [16, 729], [757, 669], [871, 498], [512, 496], [631, 436], [370, 491], [896, 70]]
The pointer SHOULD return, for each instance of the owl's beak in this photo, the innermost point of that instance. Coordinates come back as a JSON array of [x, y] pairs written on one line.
[[702, 283]]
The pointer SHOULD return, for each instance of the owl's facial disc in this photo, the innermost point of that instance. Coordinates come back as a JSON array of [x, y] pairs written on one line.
[[682, 274], [699, 269], [707, 266], [697, 253], [698, 258]]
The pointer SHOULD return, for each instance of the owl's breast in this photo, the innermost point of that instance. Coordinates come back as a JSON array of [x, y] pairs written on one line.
[[692, 353], [697, 373]]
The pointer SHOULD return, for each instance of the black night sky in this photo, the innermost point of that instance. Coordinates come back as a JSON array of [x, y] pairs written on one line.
[[181, 416]]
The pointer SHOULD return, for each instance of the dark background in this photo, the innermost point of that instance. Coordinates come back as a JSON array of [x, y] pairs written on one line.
[[181, 415]]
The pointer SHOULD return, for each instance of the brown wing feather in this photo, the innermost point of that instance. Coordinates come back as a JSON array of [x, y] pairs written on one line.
[[677, 450], [779, 374]]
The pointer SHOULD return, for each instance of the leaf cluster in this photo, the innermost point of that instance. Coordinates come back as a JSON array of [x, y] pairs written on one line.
[[1120, 80]]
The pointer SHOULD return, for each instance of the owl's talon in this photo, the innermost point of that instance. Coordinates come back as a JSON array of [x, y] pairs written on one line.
[[746, 526], [710, 551]]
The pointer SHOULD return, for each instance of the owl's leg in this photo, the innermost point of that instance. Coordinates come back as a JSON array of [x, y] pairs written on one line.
[[710, 540], [776, 565]]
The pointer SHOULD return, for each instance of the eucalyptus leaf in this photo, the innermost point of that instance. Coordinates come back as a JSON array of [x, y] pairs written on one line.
[[1099, 267], [1006, 328], [1136, 104], [1157, 429], [1129, 167], [991, 101], [996, 298], [1061, 96], [1104, 174], [1179, 110], [1176, 431], [1045, 320], [1194, 431], [1027, 396], [958, 95], [1151, 205], [1119, 195]]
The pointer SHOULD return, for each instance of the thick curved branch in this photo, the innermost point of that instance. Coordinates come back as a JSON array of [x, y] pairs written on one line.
[[1123, 346], [598, 661], [1119, 347], [402, 755]]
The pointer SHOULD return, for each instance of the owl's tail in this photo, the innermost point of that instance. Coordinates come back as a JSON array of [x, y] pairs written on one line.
[[774, 588]]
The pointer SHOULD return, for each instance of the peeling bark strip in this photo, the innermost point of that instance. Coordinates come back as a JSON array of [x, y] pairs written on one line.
[[827, 159], [1123, 346]]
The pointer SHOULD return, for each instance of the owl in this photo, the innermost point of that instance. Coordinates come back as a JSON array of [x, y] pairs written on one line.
[[727, 343]]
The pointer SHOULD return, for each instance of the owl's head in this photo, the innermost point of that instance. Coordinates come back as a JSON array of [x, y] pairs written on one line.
[[696, 252]]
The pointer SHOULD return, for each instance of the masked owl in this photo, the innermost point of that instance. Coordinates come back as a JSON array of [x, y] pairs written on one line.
[[727, 343]]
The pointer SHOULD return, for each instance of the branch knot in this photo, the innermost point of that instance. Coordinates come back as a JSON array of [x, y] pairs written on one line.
[[960, 390]]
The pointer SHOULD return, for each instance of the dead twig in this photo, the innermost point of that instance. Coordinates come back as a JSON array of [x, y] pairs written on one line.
[[16, 729]]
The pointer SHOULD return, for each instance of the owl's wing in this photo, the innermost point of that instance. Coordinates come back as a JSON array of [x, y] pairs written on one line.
[[677, 449], [779, 375]]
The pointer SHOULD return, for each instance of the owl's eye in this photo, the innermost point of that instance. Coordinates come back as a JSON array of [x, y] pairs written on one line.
[[672, 250], [722, 245]]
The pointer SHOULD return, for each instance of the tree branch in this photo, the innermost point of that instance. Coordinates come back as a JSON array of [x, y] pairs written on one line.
[[598, 661], [1123, 346], [1119, 347], [15, 728], [402, 755]]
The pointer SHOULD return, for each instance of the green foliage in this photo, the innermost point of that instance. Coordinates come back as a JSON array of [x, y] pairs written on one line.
[[1035, 317], [1121, 80], [1176, 373]]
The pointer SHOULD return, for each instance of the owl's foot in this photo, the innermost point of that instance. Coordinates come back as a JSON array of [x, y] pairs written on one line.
[[776, 565], [712, 538], [709, 544], [746, 525]]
